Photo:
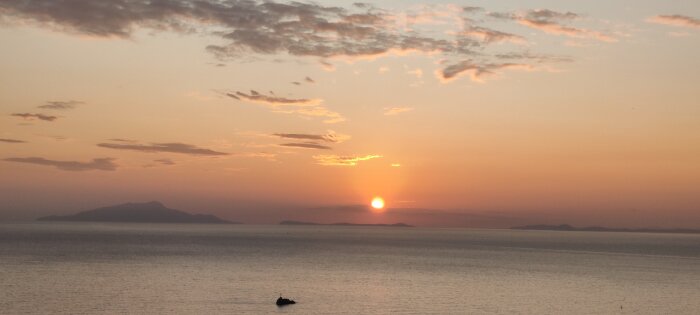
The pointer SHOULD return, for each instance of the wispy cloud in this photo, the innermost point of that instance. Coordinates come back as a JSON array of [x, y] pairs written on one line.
[[307, 145], [488, 35], [330, 116], [122, 140], [338, 160], [262, 155], [31, 116], [396, 110], [476, 71], [101, 164], [164, 161], [540, 58], [12, 140], [675, 20], [273, 100], [61, 105], [327, 66], [552, 22], [471, 9], [305, 80], [330, 136], [301, 106], [162, 147]]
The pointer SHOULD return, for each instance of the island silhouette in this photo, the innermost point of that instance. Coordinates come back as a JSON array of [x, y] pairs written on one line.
[[146, 212], [289, 222]]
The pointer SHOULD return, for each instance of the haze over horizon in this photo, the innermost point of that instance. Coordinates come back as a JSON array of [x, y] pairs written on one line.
[[459, 113]]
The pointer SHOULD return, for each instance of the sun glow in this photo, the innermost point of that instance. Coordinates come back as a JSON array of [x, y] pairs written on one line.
[[378, 203]]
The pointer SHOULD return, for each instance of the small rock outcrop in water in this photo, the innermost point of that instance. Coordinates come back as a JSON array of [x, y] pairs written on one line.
[[284, 301], [147, 212]]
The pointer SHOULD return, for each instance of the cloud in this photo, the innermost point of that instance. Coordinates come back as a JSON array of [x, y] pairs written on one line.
[[250, 27], [263, 155], [337, 160], [319, 111], [675, 20], [476, 71], [502, 15], [272, 100], [327, 66], [469, 9], [310, 108], [551, 22], [300, 29], [101, 164], [541, 58], [307, 145], [12, 140], [396, 110], [493, 36], [546, 14], [164, 161], [30, 116], [306, 79], [330, 136], [122, 140], [162, 147], [263, 27], [61, 105]]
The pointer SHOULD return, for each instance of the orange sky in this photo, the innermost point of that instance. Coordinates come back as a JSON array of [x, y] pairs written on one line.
[[456, 113]]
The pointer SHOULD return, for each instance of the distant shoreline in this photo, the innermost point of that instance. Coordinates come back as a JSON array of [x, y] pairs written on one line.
[[147, 212], [290, 222], [566, 227]]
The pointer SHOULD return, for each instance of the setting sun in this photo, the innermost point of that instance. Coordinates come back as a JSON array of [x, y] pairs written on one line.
[[378, 203]]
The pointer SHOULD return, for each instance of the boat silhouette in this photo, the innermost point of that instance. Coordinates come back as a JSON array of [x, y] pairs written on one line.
[[284, 301]]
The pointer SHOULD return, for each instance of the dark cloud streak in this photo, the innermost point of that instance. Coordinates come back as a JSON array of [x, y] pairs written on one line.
[[31, 116], [272, 100], [163, 147], [307, 145], [61, 105], [164, 161], [12, 140], [330, 137], [101, 164]]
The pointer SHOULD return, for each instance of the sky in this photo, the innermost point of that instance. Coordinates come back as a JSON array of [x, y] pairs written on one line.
[[458, 114]]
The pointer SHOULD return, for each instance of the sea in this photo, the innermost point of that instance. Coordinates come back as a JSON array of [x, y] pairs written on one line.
[[114, 268]]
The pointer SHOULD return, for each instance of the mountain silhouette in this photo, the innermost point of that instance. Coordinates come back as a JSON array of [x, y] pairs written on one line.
[[148, 212]]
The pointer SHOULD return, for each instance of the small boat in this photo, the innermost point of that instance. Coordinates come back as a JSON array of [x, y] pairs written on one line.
[[284, 301]]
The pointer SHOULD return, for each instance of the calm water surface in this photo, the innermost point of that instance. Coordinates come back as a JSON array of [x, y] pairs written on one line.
[[95, 268]]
